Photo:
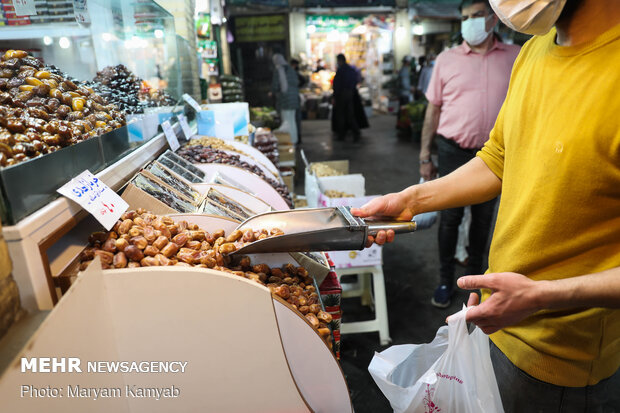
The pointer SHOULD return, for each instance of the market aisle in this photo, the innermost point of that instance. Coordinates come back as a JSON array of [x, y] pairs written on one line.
[[410, 265]]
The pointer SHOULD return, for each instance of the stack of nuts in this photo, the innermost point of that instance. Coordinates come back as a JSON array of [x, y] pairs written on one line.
[[207, 154], [215, 143], [142, 239], [41, 112]]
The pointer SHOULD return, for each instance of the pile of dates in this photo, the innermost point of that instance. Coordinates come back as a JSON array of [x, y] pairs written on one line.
[[41, 112], [207, 154], [130, 93], [142, 239], [126, 87]]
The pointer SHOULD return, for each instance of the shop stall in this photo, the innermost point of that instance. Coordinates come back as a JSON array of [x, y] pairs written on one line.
[[365, 41]]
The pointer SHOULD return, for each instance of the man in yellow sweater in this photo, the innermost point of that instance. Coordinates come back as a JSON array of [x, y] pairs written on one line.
[[551, 296]]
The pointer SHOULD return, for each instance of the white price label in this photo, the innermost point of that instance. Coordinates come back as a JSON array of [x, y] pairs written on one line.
[[185, 126], [24, 7], [95, 197], [192, 102], [171, 137]]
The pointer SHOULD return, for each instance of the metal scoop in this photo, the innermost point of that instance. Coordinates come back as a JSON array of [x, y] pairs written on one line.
[[318, 229]]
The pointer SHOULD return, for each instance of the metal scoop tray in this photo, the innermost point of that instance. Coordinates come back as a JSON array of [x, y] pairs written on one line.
[[317, 229]]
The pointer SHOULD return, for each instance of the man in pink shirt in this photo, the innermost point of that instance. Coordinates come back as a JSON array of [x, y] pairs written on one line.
[[466, 91]]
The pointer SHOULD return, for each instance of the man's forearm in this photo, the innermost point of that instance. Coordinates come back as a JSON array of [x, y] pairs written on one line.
[[601, 289], [429, 129], [470, 184]]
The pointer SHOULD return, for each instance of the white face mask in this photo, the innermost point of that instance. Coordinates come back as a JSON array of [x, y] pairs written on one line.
[[529, 16], [474, 30]]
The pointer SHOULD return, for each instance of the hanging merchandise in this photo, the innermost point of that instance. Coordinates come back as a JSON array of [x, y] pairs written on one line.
[[203, 26], [80, 8]]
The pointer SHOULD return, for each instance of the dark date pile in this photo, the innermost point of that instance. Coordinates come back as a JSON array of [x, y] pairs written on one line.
[[132, 94], [207, 154], [125, 86], [41, 112], [142, 239]]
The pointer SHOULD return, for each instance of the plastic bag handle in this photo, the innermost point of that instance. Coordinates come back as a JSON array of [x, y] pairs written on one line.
[[457, 325]]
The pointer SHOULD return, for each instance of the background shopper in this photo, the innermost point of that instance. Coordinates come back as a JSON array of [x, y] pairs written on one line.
[[466, 91], [284, 86], [348, 112]]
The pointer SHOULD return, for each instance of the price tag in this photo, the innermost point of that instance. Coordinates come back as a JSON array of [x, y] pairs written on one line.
[[192, 102], [95, 197], [80, 9], [24, 7], [171, 137], [185, 126]]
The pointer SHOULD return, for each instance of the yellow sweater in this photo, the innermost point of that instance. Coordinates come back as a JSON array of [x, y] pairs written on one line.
[[556, 148]]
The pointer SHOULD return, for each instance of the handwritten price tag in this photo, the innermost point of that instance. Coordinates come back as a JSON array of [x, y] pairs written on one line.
[[192, 102], [24, 7], [171, 137], [185, 127], [95, 197]]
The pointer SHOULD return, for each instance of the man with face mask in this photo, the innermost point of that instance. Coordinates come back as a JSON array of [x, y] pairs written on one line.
[[466, 90], [551, 295]]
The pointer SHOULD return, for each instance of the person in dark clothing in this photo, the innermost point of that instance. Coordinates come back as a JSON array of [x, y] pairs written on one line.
[[348, 112], [303, 80]]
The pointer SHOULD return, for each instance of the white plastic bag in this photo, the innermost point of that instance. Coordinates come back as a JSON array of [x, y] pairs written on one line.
[[453, 373]]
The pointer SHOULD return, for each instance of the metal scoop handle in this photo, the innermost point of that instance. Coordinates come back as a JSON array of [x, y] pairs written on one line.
[[398, 227]]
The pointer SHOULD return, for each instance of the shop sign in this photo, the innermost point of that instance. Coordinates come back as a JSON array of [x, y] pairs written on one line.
[[326, 24], [95, 197], [260, 28]]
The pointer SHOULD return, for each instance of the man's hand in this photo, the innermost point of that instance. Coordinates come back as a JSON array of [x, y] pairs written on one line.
[[391, 205], [428, 171], [513, 297]]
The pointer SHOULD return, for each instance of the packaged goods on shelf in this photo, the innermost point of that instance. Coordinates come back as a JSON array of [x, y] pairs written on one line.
[[178, 169], [173, 180], [232, 88], [183, 163], [42, 112], [233, 209], [162, 193]]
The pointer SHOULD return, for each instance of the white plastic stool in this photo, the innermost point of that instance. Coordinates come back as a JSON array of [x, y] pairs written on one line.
[[362, 289]]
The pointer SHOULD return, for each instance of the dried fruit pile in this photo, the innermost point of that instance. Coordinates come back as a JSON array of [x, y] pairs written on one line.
[[207, 154], [141, 239], [41, 112], [131, 93]]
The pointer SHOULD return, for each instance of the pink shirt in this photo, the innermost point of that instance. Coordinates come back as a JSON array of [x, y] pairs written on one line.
[[470, 88]]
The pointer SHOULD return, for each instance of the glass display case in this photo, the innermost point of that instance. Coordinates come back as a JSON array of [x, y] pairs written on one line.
[[137, 34]]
